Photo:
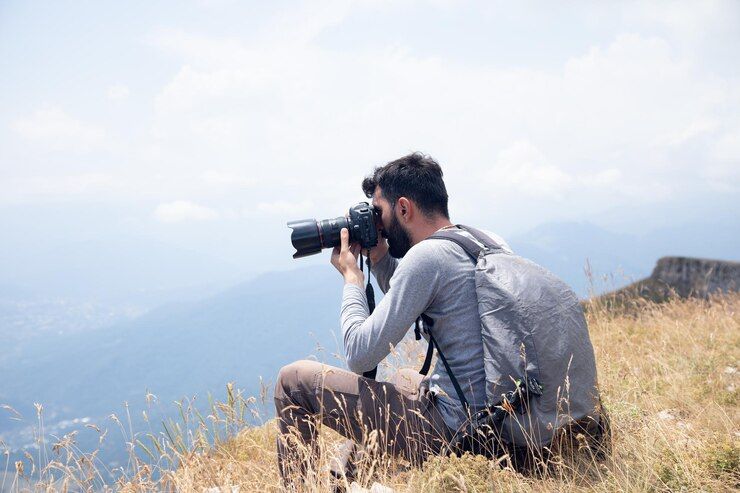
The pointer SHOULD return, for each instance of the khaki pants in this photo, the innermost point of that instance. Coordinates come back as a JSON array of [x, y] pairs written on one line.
[[401, 418]]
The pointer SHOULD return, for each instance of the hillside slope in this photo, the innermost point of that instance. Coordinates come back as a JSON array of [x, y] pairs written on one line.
[[669, 377]]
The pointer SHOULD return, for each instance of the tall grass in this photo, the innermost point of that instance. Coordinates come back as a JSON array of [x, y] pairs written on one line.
[[668, 374]]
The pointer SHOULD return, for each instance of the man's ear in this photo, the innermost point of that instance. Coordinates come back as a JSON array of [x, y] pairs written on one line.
[[405, 209]]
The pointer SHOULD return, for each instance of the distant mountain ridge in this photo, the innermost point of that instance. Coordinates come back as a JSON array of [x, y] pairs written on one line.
[[180, 350]]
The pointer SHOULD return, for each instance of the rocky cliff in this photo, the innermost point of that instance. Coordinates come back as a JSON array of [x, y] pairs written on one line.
[[696, 277], [681, 277]]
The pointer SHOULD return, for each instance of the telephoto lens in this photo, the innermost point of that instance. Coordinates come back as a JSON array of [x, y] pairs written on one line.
[[310, 236]]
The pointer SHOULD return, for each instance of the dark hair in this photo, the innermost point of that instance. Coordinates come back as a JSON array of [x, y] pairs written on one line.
[[417, 177]]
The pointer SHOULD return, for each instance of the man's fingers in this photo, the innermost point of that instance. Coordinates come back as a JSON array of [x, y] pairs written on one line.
[[344, 239]]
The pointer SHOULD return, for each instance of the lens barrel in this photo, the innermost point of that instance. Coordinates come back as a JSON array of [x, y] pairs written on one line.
[[331, 229], [310, 236]]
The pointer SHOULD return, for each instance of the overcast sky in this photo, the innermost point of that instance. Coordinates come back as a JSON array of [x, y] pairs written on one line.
[[190, 114]]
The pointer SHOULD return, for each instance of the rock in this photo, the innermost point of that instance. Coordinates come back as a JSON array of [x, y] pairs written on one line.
[[678, 277], [375, 488], [697, 277]]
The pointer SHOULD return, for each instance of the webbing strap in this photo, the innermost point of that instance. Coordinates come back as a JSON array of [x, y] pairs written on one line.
[[481, 236], [428, 322], [370, 295], [430, 347], [455, 383]]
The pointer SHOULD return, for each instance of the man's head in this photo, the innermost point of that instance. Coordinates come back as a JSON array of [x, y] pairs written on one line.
[[411, 197], [416, 177]]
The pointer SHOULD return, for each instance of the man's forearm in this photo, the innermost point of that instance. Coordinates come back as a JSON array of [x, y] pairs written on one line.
[[383, 271], [355, 311]]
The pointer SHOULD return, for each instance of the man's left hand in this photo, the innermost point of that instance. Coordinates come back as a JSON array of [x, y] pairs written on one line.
[[344, 258]]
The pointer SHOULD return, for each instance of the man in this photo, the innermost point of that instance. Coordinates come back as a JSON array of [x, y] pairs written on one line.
[[406, 418]]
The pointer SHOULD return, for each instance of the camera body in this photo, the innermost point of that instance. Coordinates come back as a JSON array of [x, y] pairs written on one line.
[[310, 236]]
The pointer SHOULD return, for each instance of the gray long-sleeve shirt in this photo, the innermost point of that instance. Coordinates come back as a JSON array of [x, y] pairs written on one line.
[[436, 277]]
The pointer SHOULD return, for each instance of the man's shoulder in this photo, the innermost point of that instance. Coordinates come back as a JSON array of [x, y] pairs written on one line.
[[426, 256], [436, 244], [434, 253], [424, 252]]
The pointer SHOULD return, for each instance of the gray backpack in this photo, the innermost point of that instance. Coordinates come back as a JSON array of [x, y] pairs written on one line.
[[538, 359]]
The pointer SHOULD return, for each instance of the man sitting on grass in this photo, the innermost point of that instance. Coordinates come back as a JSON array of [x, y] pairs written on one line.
[[410, 417]]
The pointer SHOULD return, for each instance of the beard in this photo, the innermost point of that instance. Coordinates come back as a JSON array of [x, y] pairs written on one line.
[[399, 242]]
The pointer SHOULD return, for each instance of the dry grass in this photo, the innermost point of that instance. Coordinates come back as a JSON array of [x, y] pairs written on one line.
[[669, 379]]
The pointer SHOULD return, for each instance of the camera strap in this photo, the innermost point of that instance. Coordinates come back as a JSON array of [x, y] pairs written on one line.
[[369, 292], [370, 295]]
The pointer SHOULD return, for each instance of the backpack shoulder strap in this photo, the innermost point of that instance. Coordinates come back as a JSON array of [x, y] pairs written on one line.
[[471, 247], [428, 323]]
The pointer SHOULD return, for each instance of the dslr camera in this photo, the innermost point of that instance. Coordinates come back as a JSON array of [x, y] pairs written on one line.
[[310, 236]]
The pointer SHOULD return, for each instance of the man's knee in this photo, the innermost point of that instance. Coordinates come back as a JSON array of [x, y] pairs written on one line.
[[299, 376]]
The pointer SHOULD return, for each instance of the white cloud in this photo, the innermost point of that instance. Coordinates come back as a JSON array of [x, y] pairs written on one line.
[[727, 147], [602, 179], [224, 179], [693, 19], [218, 130], [723, 171], [608, 124], [522, 168], [30, 189], [183, 210], [55, 128], [203, 50], [191, 87], [304, 104], [283, 207], [118, 92], [696, 129]]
